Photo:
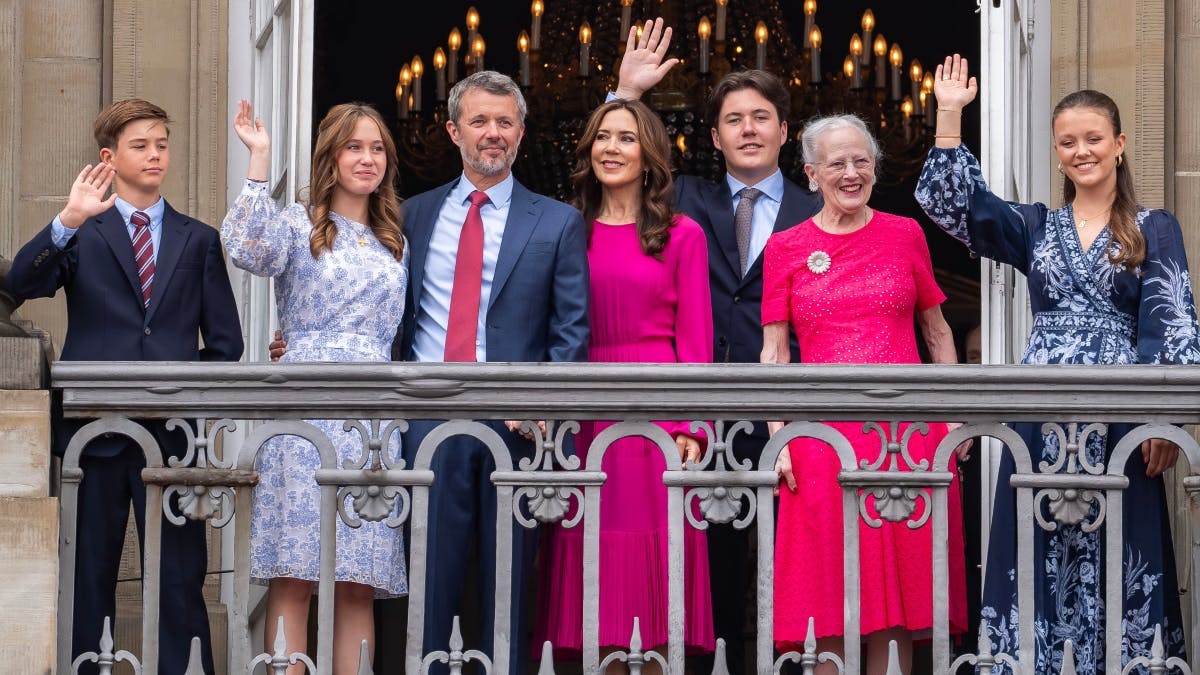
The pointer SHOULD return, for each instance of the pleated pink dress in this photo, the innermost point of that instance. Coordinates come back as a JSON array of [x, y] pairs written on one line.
[[643, 310], [861, 309]]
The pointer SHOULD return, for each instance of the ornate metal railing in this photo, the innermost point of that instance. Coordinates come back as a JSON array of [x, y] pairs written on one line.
[[244, 405]]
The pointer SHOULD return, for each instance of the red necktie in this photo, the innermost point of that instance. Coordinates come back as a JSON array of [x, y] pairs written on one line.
[[143, 253], [468, 277]]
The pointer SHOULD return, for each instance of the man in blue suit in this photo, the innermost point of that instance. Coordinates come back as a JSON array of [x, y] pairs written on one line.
[[748, 112], [497, 273], [143, 282]]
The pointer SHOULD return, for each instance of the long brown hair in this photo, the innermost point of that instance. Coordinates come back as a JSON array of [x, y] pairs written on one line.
[[1131, 246], [383, 205], [658, 191]]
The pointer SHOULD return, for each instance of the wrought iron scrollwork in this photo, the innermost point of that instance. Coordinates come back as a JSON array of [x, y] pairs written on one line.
[[1072, 506], [985, 661], [895, 503], [721, 504], [376, 502], [213, 503], [548, 503]]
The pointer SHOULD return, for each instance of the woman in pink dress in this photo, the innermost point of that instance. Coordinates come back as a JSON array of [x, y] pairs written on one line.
[[849, 281], [649, 304]]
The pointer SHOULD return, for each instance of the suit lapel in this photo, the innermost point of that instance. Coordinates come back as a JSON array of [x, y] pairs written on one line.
[[523, 216], [719, 205], [171, 242], [419, 226], [111, 227]]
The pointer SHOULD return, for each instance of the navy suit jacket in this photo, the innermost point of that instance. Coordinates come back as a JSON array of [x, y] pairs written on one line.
[[538, 309], [737, 299], [107, 321]]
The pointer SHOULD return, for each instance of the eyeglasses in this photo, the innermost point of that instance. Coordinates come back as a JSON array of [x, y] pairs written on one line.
[[861, 165]]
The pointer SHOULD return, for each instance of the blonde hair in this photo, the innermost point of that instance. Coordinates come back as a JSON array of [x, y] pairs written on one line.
[[383, 205]]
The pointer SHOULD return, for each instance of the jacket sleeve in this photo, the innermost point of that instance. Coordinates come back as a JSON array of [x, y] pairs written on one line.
[[569, 327]]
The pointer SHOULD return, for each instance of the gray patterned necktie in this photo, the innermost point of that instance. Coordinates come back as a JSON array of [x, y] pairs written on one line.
[[742, 218]]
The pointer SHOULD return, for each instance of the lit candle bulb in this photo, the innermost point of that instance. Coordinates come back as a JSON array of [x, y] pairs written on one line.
[[418, 69], [585, 47], [402, 91], [439, 70], [880, 49], [523, 53], [868, 25], [850, 68], [906, 107], [914, 75], [472, 24], [477, 49], [704, 30], [856, 51], [896, 58], [721, 20], [453, 43], [626, 10], [810, 13], [927, 98], [535, 30], [814, 40], [760, 36]]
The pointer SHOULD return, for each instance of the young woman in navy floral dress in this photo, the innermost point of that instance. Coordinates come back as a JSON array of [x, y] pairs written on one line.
[[1108, 284]]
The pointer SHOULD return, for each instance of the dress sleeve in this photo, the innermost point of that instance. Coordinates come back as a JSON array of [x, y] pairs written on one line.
[[693, 308], [257, 236], [1167, 332], [952, 192], [777, 279], [929, 294], [693, 311]]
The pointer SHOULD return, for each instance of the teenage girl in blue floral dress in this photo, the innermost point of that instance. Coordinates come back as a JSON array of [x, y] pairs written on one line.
[[1108, 284]]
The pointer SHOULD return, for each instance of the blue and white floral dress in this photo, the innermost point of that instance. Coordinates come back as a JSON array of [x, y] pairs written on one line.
[[344, 306], [1086, 310]]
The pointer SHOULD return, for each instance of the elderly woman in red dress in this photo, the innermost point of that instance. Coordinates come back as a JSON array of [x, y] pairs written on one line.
[[850, 281]]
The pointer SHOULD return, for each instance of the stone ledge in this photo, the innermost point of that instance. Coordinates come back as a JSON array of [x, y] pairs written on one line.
[[23, 363]]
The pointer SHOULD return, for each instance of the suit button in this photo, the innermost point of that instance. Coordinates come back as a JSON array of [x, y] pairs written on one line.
[[721, 341], [737, 299], [147, 331]]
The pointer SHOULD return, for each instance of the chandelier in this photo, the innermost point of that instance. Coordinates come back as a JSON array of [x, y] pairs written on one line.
[[568, 61]]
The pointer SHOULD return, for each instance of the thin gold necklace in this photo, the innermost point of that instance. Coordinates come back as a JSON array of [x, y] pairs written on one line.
[[1082, 222]]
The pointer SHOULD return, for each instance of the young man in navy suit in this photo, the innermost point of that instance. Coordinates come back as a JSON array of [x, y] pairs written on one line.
[[530, 286], [143, 283], [748, 112]]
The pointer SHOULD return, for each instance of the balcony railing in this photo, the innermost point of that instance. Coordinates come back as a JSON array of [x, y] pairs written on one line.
[[245, 404]]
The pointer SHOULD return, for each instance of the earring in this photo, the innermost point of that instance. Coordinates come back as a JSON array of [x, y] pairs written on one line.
[[646, 178], [1060, 167], [1120, 159], [812, 185]]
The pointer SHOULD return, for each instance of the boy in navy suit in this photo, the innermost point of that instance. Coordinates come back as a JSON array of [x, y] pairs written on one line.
[[143, 283]]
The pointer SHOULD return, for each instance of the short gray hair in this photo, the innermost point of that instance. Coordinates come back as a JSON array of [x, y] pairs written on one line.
[[493, 83], [819, 126]]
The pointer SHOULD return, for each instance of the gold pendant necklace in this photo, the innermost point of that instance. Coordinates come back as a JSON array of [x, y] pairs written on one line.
[[1084, 221]]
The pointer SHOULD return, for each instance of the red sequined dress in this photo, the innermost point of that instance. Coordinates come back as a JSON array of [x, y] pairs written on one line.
[[852, 298]]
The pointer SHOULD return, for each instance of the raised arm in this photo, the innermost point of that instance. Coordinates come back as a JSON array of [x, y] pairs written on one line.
[[256, 236], [644, 64]]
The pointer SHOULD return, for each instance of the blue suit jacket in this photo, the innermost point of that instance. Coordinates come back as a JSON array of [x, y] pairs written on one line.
[[538, 309], [106, 319]]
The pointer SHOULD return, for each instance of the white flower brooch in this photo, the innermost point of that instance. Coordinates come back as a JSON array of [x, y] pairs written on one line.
[[819, 262]]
